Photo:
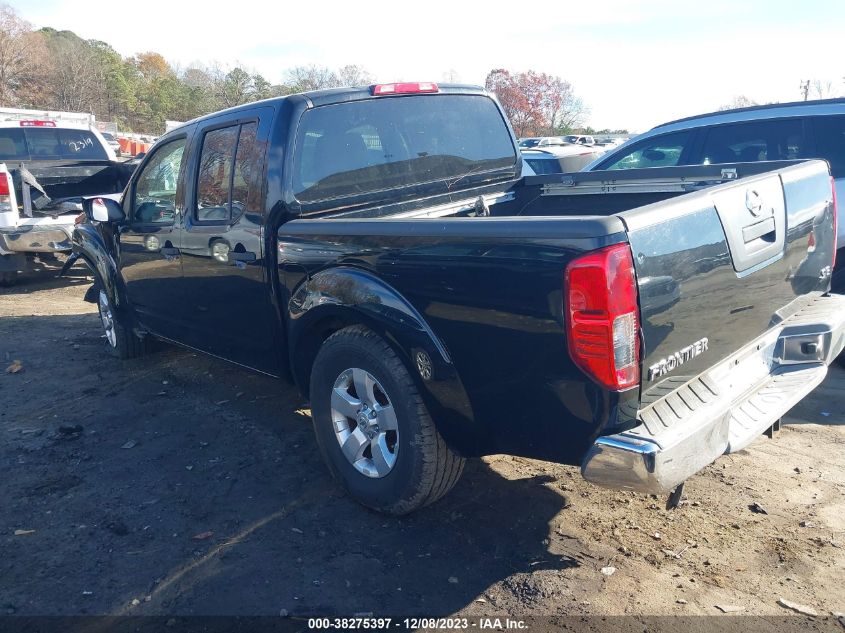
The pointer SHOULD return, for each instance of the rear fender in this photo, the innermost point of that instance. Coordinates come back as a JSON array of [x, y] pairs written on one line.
[[343, 296]]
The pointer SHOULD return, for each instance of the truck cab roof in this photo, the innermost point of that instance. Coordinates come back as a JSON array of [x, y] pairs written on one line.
[[329, 96]]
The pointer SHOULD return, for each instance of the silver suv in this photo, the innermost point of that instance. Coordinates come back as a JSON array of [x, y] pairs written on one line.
[[783, 131]]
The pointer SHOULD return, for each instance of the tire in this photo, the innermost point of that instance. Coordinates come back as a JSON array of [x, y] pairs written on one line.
[[405, 470], [121, 341]]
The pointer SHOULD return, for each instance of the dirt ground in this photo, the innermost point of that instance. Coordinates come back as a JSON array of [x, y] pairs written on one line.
[[177, 484]]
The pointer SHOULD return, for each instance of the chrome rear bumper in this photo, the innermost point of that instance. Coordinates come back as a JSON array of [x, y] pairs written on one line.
[[724, 409], [50, 238]]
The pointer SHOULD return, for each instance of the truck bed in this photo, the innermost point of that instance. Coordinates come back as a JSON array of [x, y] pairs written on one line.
[[490, 287], [64, 180]]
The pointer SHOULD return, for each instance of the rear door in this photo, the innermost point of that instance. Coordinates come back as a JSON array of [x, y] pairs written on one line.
[[717, 268], [225, 301], [753, 141]]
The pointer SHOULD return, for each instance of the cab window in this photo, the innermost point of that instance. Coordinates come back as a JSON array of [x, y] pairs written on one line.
[[12, 145], [154, 198], [81, 144], [48, 143], [376, 146], [659, 151], [227, 173]]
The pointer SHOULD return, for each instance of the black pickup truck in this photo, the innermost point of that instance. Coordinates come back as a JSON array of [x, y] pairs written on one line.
[[381, 248]]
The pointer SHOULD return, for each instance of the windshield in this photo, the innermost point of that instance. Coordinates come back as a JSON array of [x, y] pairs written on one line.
[[374, 145], [529, 142]]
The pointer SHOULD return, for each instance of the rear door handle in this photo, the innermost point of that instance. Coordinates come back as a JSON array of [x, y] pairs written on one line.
[[170, 252], [241, 257]]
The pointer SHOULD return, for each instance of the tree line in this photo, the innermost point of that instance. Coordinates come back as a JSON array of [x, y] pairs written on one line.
[[49, 69]]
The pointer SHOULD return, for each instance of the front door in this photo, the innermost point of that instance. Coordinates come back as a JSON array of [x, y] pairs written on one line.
[[226, 297], [149, 254]]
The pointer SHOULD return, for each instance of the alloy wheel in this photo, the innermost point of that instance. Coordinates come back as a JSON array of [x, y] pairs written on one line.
[[365, 423], [107, 318]]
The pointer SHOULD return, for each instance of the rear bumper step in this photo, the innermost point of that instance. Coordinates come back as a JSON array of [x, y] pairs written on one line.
[[724, 409]]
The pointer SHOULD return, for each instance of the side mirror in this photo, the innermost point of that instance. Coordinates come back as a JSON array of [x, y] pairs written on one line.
[[103, 210]]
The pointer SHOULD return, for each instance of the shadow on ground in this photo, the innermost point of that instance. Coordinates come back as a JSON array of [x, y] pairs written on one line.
[[195, 487]]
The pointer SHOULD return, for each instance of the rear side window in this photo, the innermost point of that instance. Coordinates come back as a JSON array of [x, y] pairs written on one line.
[[830, 142], [379, 144], [751, 142], [226, 173], [12, 145], [659, 151]]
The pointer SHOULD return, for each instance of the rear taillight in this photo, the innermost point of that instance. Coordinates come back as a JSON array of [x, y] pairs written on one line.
[[603, 317], [4, 185], [381, 90]]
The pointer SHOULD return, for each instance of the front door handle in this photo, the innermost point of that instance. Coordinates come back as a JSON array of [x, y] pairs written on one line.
[[170, 252]]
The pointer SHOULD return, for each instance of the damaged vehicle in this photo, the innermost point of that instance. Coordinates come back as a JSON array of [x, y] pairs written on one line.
[[46, 167], [387, 255]]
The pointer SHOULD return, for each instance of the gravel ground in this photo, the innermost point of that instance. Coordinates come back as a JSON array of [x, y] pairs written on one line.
[[177, 485]]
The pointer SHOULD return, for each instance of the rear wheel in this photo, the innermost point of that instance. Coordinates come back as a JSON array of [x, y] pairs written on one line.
[[121, 341], [372, 426]]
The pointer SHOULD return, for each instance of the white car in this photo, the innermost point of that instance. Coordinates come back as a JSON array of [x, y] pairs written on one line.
[[112, 141], [72, 161], [579, 139], [539, 142]]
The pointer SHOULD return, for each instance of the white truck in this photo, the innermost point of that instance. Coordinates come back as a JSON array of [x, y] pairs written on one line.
[[46, 167]]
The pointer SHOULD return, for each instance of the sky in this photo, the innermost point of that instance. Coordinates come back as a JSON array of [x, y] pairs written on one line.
[[635, 63]]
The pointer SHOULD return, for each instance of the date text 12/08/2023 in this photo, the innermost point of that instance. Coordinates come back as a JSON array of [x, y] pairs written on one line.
[[384, 624]]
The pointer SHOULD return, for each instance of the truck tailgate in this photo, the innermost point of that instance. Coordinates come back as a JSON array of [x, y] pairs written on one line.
[[718, 268], [736, 323]]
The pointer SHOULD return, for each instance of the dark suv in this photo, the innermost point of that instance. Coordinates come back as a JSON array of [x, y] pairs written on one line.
[[782, 131]]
